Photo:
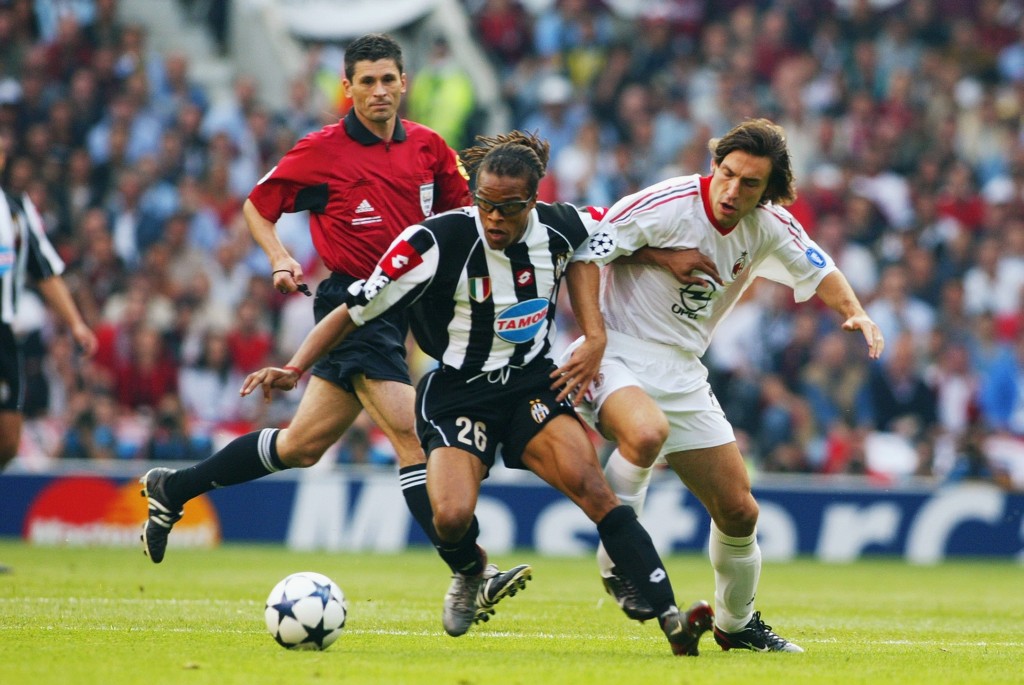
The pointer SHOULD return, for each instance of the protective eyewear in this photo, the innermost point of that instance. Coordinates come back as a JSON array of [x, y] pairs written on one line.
[[510, 208]]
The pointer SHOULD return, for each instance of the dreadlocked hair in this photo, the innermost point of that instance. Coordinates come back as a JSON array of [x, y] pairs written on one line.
[[516, 155]]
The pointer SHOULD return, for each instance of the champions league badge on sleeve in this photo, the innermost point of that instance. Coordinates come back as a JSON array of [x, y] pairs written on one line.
[[815, 257], [601, 244]]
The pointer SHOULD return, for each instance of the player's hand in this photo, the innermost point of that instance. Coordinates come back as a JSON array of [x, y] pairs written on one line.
[[683, 263], [85, 339], [288, 276], [872, 333], [575, 376], [268, 379]]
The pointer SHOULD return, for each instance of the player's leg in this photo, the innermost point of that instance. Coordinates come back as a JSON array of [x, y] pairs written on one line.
[[563, 456], [391, 405], [453, 481], [718, 477], [323, 415], [10, 436], [12, 394], [631, 419]]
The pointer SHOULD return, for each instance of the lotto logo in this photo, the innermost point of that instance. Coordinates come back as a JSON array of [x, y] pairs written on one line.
[[400, 259]]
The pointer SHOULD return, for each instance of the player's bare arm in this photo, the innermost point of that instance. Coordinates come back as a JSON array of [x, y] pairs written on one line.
[[681, 263], [57, 295], [286, 272], [576, 375], [324, 337], [835, 291]]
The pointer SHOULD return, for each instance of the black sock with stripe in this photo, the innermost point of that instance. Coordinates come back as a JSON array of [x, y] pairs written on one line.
[[245, 458], [632, 551], [413, 480], [464, 556]]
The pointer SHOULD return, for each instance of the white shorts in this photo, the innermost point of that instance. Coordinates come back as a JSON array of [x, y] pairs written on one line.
[[675, 379]]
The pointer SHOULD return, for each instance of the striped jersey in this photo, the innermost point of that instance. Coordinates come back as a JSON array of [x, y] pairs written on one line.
[[473, 308], [25, 251], [650, 304]]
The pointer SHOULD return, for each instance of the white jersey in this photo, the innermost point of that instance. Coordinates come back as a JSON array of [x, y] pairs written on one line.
[[648, 303]]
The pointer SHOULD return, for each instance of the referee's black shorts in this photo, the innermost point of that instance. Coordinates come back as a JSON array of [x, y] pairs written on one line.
[[503, 408], [376, 349], [12, 371]]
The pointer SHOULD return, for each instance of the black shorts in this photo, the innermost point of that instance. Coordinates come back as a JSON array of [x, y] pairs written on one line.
[[482, 414], [375, 350], [12, 371]]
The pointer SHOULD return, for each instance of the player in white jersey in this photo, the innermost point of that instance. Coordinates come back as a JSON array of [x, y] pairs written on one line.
[[652, 397], [480, 285]]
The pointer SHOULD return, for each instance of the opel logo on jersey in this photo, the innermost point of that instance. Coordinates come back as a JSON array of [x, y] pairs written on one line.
[[521, 322], [693, 299]]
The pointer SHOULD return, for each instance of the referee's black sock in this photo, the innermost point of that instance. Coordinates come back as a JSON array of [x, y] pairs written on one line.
[[464, 556], [245, 458], [632, 551], [413, 480]]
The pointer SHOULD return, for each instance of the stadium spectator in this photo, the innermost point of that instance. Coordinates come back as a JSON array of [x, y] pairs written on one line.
[[249, 340], [897, 401], [441, 97], [148, 374], [1001, 394], [91, 428]]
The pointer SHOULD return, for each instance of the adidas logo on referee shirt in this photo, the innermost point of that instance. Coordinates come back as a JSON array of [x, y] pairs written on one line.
[[364, 207]]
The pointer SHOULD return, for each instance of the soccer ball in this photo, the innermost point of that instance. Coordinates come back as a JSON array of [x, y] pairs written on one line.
[[306, 610]]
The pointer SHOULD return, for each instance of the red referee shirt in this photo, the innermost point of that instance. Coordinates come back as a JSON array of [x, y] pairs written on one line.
[[360, 191]]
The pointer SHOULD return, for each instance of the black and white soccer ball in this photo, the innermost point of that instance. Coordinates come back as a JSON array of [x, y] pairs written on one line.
[[306, 610]]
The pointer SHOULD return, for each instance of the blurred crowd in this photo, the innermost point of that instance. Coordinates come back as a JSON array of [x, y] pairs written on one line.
[[904, 121]]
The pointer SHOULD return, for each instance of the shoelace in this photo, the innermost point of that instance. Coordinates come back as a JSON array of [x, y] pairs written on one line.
[[497, 375], [766, 630]]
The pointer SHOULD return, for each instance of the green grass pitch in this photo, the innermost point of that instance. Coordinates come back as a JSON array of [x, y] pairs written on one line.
[[109, 616]]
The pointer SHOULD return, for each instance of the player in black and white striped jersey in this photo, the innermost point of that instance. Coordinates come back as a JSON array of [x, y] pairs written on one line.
[[480, 285], [26, 253]]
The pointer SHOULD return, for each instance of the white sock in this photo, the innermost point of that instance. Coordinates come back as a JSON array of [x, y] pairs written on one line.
[[737, 564], [630, 483]]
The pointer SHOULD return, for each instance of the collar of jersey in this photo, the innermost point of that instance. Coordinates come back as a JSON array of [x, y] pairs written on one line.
[[359, 133], [705, 196]]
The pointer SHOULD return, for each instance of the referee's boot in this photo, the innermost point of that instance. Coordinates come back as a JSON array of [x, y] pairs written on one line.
[[163, 513]]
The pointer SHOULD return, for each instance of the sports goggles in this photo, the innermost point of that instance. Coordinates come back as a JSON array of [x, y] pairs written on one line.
[[510, 208]]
